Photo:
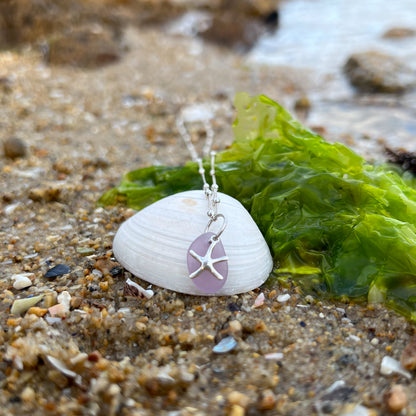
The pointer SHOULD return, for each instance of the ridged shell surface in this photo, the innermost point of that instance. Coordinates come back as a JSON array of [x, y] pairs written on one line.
[[153, 244]]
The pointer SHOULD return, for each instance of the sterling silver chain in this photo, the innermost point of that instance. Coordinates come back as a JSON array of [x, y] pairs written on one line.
[[211, 192]]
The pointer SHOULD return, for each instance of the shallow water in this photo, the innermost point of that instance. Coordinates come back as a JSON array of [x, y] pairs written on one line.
[[320, 36]]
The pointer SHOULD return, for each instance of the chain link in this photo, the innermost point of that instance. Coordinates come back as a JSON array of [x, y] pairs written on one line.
[[211, 192]]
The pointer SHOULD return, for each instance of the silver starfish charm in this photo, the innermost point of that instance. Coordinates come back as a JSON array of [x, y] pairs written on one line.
[[207, 262]]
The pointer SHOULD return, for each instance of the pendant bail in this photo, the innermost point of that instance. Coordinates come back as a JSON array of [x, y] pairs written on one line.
[[213, 219]]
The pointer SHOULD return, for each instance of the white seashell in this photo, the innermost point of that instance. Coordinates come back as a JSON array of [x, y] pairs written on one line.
[[153, 244]]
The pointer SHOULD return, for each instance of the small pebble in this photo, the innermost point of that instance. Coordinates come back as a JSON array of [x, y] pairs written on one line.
[[50, 299], [85, 251], [14, 148], [163, 354], [267, 400], [225, 345], [235, 327], [105, 266], [302, 104], [35, 310], [47, 194], [375, 341], [408, 357], [237, 398], [395, 398], [237, 410], [399, 33], [28, 394], [58, 270]]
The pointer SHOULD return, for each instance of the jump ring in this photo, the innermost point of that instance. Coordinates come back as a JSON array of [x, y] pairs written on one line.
[[213, 219]]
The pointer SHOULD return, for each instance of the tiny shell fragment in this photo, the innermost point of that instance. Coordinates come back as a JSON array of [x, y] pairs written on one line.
[[390, 366], [58, 270], [57, 310], [259, 300], [64, 299], [22, 305], [52, 319], [22, 281], [273, 356], [357, 410], [225, 345], [283, 298], [61, 367], [136, 291]]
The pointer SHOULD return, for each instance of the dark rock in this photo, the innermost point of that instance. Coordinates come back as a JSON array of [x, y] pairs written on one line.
[[58, 270], [407, 160], [239, 23], [28, 21], [272, 19], [116, 270], [378, 72], [84, 47], [231, 32], [399, 33], [14, 148], [234, 307]]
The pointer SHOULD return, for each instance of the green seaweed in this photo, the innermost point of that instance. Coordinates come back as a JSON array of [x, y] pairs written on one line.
[[334, 223]]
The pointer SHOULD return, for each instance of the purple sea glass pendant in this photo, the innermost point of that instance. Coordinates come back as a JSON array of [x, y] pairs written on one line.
[[207, 263]]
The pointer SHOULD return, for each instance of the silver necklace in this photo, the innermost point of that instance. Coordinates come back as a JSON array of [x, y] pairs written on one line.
[[173, 243], [206, 258]]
